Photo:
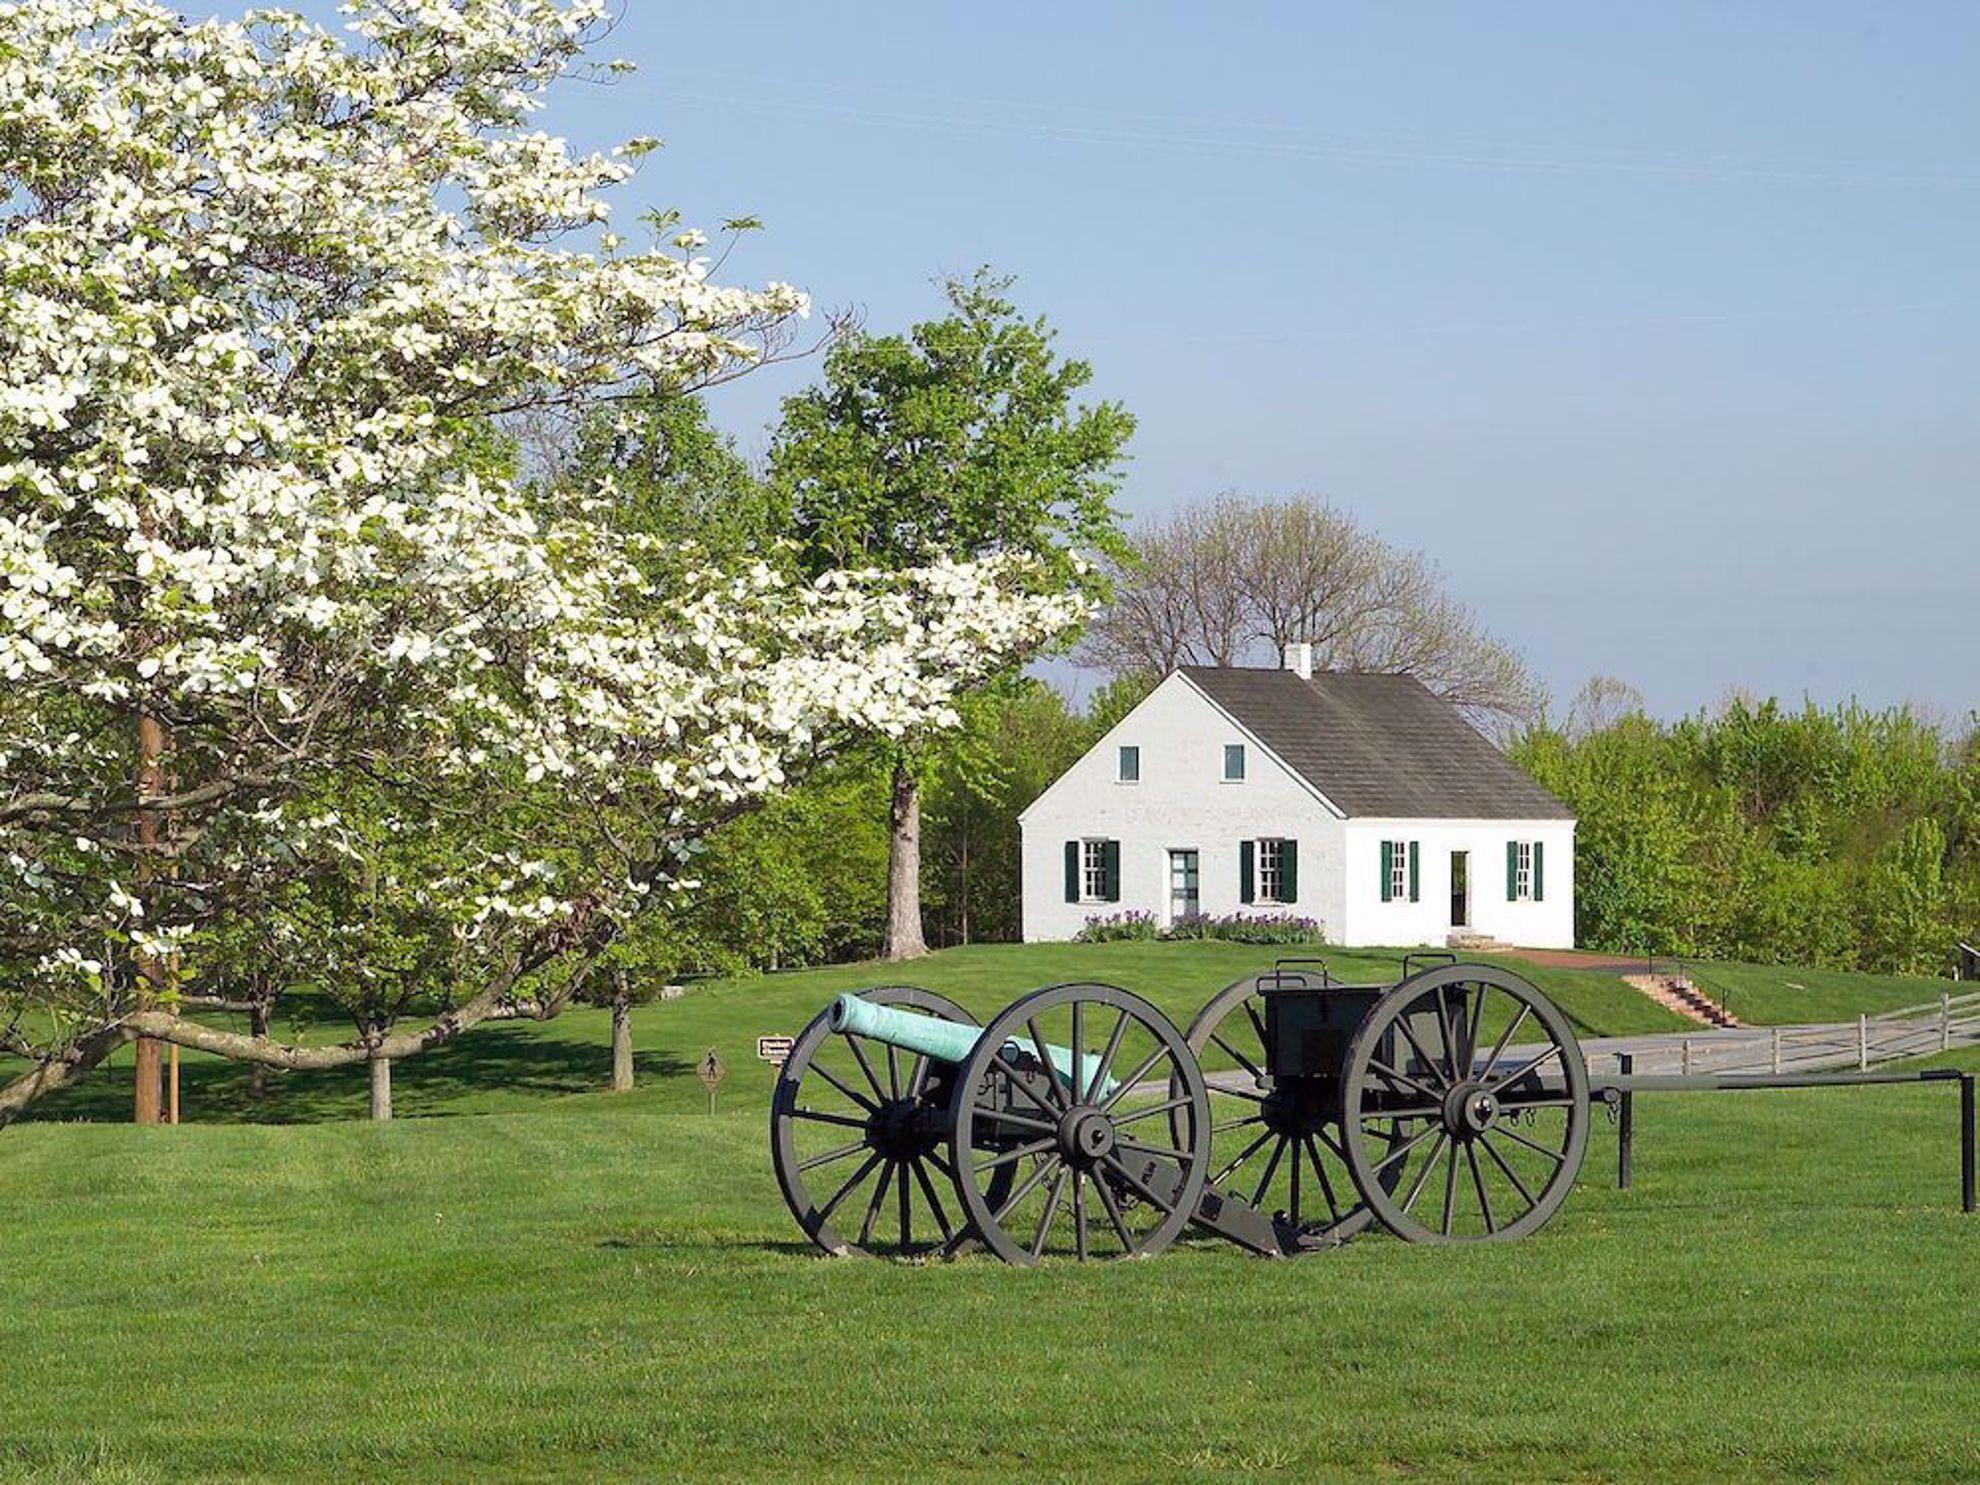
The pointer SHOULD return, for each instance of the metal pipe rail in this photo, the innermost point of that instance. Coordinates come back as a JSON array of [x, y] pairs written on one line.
[[1620, 1090]]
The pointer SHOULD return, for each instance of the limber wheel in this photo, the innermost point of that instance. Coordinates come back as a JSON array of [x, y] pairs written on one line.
[[856, 1134], [1275, 1143], [1094, 1097], [1474, 1077]]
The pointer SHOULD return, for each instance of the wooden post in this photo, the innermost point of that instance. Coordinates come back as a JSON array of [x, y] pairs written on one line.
[[1862, 1040], [1685, 1058], [1945, 1022], [1776, 1040]]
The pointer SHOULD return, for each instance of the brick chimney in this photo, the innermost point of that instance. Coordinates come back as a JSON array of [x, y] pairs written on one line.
[[1299, 660]]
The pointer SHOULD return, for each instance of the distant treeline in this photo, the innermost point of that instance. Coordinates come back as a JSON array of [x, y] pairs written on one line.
[[1844, 837]]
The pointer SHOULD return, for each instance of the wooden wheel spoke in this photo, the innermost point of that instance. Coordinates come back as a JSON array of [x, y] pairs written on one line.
[[1477, 1024], [1051, 1211], [1506, 1036], [1010, 1157], [1423, 1175], [1018, 1081], [1248, 1065], [1553, 1051], [1106, 1063], [1229, 1124], [1060, 1096], [857, 1176], [1511, 1175], [873, 1207], [1249, 1150], [934, 1203], [1257, 1021], [1271, 1169], [894, 1070], [1113, 1210], [1079, 1215], [1478, 1183], [837, 1082], [859, 1056], [1017, 1121], [1404, 1148], [1450, 1187], [831, 1155], [1138, 1186], [1151, 1111], [1326, 1184], [1401, 1024], [1513, 1134], [1135, 1077], [1382, 1069], [819, 1116], [1025, 1187]]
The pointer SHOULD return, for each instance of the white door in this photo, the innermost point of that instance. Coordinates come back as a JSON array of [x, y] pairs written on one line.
[[1182, 884]]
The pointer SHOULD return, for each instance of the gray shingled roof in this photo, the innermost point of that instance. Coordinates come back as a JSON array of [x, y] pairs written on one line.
[[1378, 745]]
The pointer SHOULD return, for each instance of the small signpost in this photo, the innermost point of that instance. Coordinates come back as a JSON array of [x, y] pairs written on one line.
[[775, 1050], [711, 1072]]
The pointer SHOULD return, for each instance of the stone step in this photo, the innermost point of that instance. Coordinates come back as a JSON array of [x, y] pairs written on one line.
[[1675, 993]]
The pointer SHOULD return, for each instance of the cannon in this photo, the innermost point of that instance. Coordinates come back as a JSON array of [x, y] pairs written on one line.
[[1296, 1112]]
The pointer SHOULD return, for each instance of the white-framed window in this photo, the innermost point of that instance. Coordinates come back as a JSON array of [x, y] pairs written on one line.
[[1271, 870], [1234, 763], [1093, 870], [1398, 854], [1128, 768], [1523, 871]]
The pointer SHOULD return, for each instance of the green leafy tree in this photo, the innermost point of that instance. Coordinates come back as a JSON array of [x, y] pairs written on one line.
[[961, 438]]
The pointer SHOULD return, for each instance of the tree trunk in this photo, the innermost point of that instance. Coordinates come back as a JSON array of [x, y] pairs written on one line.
[[381, 1087], [622, 1054], [149, 1107], [258, 1072], [904, 937]]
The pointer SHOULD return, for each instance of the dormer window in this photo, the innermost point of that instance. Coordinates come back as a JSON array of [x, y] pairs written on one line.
[[1129, 770], [1234, 763]]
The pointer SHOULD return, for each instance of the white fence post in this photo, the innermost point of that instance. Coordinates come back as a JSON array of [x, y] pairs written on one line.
[[1685, 1058], [1945, 1023], [1776, 1039], [1862, 1041]]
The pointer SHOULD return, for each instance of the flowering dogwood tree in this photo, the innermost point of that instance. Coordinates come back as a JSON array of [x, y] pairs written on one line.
[[263, 290]]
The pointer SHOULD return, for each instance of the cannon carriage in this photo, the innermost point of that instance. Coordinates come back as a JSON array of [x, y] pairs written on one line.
[[1294, 1113]]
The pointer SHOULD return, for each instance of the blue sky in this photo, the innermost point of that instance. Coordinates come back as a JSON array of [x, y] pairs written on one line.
[[1657, 326]]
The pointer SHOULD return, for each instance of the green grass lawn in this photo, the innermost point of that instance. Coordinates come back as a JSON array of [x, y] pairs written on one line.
[[609, 1288], [577, 1286], [1786, 995]]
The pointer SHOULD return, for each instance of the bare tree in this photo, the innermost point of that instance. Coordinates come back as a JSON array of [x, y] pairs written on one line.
[[1229, 581]]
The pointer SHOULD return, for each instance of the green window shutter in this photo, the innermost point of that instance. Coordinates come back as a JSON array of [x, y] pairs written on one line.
[[1288, 871], [1245, 891], [1388, 866], [1072, 871], [1110, 866], [1512, 871], [1539, 877], [1414, 895]]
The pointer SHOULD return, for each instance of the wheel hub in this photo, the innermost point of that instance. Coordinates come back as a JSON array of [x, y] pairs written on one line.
[[1469, 1110], [1085, 1135]]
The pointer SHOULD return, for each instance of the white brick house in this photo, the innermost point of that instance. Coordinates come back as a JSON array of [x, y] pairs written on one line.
[[1360, 800]]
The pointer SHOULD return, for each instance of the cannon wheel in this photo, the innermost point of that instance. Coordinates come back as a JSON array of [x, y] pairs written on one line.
[[854, 1116], [1476, 1077], [1109, 1176], [1277, 1153]]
